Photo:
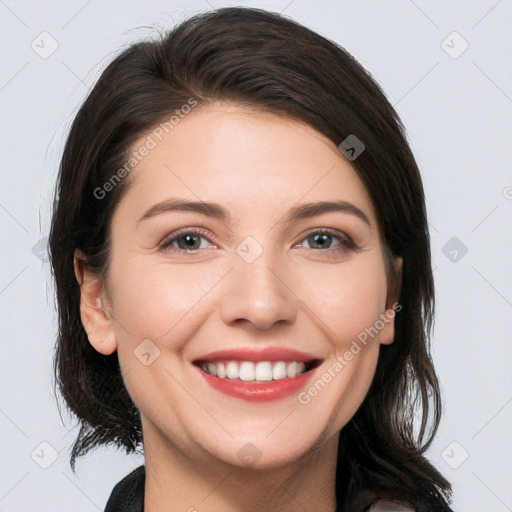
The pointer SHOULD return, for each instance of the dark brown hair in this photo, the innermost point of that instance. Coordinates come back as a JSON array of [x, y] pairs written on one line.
[[265, 61]]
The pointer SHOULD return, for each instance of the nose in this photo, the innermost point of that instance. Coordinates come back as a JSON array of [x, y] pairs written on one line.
[[259, 295]]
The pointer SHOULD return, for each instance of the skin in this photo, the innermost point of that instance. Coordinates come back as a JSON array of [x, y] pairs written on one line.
[[318, 300]]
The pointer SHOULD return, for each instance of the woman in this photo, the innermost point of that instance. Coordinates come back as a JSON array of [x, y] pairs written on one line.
[[243, 275]]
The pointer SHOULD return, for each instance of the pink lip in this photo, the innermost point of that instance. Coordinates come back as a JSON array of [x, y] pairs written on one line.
[[258, 391], [258, 354]]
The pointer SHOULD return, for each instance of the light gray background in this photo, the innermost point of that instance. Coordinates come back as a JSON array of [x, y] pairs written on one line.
[[458, 114]]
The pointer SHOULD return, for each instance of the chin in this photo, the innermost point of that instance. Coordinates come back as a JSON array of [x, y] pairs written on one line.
[[266, 452]]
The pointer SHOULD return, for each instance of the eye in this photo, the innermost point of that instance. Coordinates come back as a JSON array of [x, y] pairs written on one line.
[[187, 239], [190, 240], [331, 240]]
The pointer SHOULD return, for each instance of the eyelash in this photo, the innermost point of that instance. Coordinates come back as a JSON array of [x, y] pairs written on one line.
[[345, 241]]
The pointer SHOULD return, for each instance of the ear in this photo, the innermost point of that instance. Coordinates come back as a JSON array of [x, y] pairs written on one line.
[[93, 307], [387, 333]]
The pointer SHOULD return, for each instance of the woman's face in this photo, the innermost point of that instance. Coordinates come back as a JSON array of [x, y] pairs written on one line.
[[217, 266]]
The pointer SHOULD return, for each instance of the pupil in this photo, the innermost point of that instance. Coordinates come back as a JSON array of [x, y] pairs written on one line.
[[323, 238], [190, 240]]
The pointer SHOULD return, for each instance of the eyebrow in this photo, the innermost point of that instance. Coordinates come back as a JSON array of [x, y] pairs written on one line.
[[217, 211]]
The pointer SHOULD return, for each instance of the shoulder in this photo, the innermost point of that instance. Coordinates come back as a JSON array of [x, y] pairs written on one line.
[[128, 494]]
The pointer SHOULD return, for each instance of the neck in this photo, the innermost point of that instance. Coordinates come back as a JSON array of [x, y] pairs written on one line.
[[195, 481]]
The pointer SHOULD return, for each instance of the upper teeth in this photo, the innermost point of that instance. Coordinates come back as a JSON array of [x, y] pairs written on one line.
[[249, 371]]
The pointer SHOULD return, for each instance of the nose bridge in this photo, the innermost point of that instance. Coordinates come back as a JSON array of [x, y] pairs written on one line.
[[257, 290]]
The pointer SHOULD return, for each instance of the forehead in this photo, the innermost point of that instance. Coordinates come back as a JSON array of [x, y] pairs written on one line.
[[250, 160]]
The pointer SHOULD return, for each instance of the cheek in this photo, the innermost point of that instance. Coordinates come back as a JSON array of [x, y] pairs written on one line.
[[350, 309], [353, 297], [154, 299], [166, 305]]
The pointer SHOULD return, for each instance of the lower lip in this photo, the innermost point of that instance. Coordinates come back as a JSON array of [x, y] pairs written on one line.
[[258, 391]]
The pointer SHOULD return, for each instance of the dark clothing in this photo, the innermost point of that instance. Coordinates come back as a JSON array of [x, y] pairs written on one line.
[[128, 494]]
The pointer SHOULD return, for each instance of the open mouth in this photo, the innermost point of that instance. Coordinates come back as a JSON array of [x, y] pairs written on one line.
[[257, 371]]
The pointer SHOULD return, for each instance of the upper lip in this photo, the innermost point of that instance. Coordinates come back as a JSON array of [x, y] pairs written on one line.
[[258, 354]]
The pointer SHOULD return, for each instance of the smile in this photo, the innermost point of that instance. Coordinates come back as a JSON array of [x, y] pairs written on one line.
[[263, 371], [257, 374]]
